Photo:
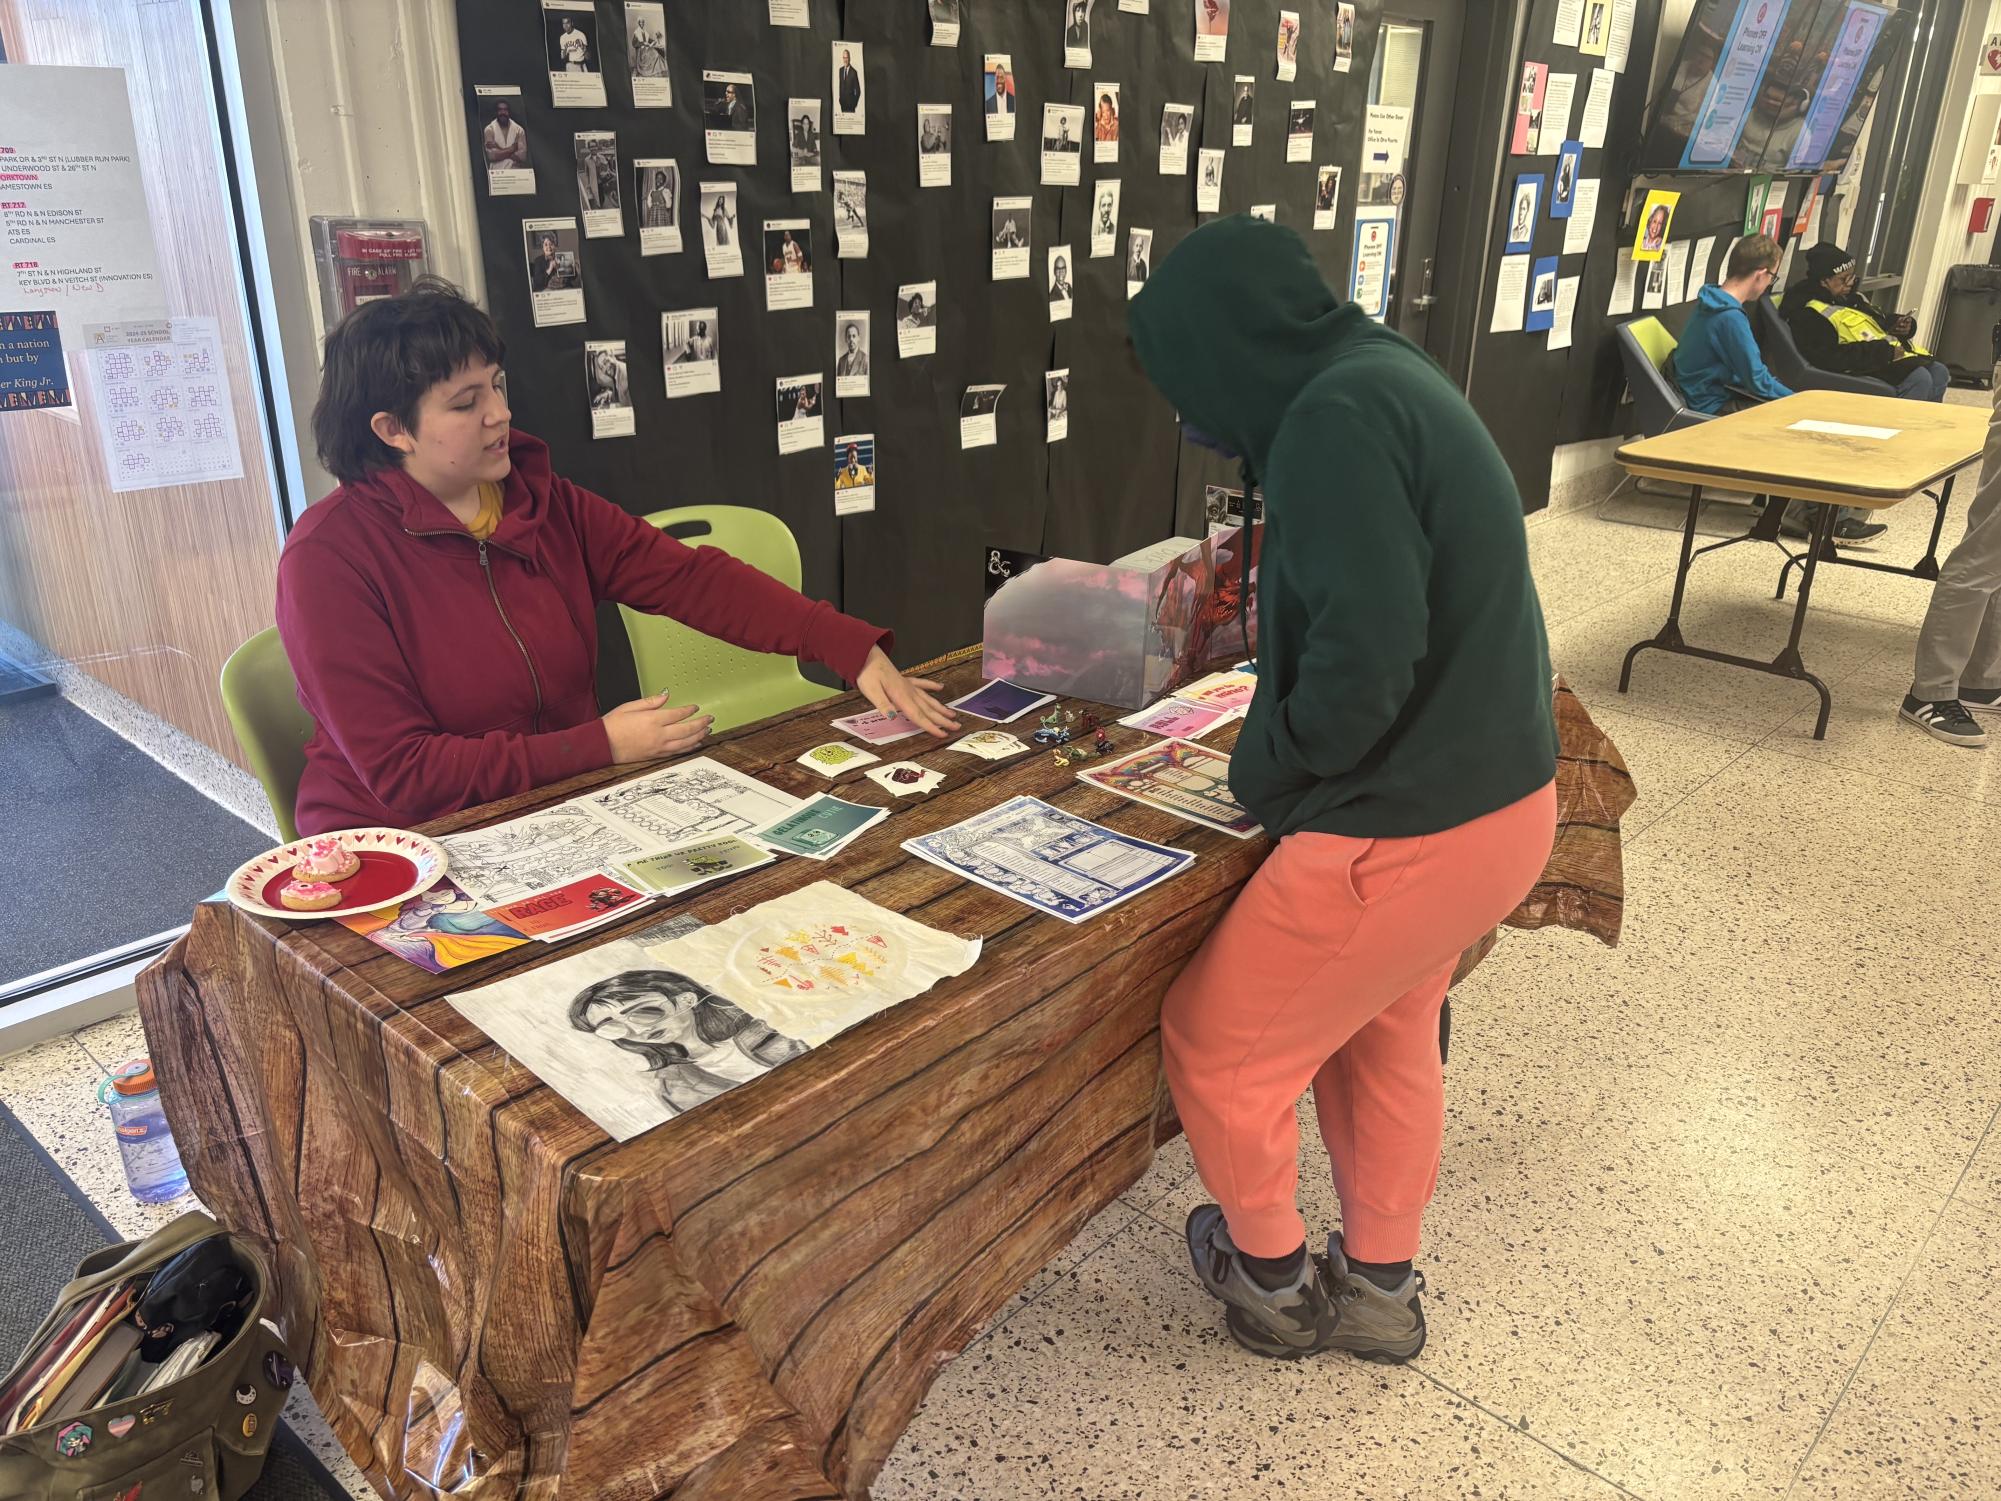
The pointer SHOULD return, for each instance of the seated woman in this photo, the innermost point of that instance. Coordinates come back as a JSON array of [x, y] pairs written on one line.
[[440, 607]]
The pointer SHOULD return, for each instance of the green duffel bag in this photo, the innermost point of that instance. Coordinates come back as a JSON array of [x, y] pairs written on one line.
[[200, 1437]]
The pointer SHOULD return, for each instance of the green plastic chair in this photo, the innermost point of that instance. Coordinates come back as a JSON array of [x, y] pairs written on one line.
[[737, 686], [261, 697], [1654, 338]]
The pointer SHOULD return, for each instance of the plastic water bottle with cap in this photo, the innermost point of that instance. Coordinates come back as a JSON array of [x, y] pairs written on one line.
[[152, 1165]]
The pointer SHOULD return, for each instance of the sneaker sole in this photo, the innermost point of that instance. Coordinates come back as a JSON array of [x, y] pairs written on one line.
[[1966, 742], [1253, 1339]]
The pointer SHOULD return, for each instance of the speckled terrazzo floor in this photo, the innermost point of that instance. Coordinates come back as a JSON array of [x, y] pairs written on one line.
[[1719, 1208]]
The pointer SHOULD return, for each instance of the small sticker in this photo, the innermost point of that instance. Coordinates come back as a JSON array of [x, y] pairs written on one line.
[[245, 1395], [279, 1371], [197, 1484], [121, 1425], [73, 1440], [250, 1425]]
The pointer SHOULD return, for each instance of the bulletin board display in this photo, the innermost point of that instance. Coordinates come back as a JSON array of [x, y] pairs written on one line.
[[746, 96]]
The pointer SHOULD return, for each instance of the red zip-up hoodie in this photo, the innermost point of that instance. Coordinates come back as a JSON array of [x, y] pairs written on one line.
[[443, 672]]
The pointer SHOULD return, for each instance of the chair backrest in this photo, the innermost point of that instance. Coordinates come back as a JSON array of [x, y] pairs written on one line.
[[261, 698], [735, 685], [1645, 348]]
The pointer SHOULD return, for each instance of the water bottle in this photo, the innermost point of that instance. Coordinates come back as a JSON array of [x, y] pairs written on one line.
[[152, 1165]]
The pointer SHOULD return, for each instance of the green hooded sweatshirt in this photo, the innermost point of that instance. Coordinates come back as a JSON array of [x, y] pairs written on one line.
[[1403, 672]]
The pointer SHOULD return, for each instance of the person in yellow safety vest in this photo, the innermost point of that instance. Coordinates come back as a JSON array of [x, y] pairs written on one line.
[[1838, 329]]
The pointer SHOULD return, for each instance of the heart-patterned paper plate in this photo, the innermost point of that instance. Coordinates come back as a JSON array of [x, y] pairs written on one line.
[[395, 865]]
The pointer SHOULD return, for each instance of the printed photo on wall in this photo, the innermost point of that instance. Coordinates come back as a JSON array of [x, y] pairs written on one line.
[[1139, 260], [997, 85], [801, 413], [1563, 197], [802, 141], [555, 271], [1176, 121], [1598, 27], [854, 473], [1209, 180], [850, 216], [1010, 238], [570, 36], [657, 184], [850, 91], [1656, 219], [1528, 109], [729, 119], [609, 390], [1062, 144], [503, 140], [788, 264], [1076, 33], [1105, 219], [917, 319], [1056, 405], [1521, 214], [721, 239], [1265, 211], [690, 349], [944, 22], [1212, 30], [646, 51], [1326, 197], [979, 416], [1062, 291], [1344, 38], [1299, 130], [851, 351], [1243, 109], [934, 145], [1105, 122], [1541, 312], [597, 184], [1288, 45]]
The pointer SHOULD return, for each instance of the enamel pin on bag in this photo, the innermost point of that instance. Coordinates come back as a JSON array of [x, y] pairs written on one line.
[[154, 1376]]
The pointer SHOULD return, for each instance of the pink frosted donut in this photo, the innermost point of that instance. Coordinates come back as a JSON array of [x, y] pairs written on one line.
[[309, 896], [326, 860]]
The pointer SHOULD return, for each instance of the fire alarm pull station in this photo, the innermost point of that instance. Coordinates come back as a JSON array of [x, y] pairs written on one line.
[[361, 260]]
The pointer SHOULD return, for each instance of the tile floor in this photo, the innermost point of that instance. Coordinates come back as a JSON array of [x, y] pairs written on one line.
[[1718, 1209]]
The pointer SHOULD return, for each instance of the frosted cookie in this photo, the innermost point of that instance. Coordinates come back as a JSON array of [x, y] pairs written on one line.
[[309, 896], [326, 860]]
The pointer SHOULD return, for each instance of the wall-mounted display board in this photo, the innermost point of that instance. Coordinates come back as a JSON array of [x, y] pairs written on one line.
[[772, 197]]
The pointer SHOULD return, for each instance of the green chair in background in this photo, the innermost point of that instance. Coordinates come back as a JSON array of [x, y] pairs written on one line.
[[737, 686], [261, 697]]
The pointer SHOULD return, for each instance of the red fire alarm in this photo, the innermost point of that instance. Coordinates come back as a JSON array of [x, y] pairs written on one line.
[[1983, 215]]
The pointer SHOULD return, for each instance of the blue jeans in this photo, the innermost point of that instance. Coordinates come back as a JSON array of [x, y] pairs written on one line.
[[1926, 383]]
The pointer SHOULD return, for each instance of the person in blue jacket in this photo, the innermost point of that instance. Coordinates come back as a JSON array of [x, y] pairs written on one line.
[[1719, 367]]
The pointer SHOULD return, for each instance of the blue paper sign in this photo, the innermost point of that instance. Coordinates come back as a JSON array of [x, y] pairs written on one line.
[[1541, 312], [31, 363]]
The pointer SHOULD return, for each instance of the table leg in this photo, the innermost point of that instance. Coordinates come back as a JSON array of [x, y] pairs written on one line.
[[1668, 638], [1925, 568], [1787, 663]]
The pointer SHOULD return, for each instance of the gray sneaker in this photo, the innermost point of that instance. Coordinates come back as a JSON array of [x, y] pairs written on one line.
[[1326, 1308]]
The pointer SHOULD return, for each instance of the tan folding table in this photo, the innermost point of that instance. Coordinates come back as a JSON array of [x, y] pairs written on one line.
[[1832, 448]]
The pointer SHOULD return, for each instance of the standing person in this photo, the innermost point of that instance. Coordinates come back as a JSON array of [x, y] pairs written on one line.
[[439, 609], [719, 221], [1400, 749], [660, 202], [575, 47], [851, 83], [1837, 328]]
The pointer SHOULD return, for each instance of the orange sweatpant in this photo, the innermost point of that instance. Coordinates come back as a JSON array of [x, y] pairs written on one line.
[[1329, 970]]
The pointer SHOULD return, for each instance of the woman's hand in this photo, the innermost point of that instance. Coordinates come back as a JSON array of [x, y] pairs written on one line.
[[647, 730], [890, 691]]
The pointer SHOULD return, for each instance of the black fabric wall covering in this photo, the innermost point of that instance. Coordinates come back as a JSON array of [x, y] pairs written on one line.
[[1120, 480]]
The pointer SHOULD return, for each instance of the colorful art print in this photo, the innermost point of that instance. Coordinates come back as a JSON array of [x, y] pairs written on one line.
[[691, 865], [819, 829], [626, 1040], [834, 757], [878, 726], [436, 930], [1001, 702], [1199, 608], [1189, 781], [582, 902], [905, 778], [1222, 690], [1055, 862], [989, 745], [1178, 720]]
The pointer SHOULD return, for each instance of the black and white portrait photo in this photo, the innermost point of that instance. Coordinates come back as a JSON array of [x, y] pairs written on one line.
[[646, 54], [657, 181], [576, 68], [555, 271], [1061, 288], [722, 234], [1139, 260], [851, 349], [934, 131], [1010, 228], [917, 319], [608, 389], [691, 350], [802, 126], [729, 118], [850, 90], [1056, 405], [597, 183], [1076, 32]]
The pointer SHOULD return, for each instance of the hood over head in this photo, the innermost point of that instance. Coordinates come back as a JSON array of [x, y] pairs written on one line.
[[1234, 324]]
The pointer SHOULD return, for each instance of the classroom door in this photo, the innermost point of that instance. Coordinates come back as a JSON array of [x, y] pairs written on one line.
[[1407, 133]]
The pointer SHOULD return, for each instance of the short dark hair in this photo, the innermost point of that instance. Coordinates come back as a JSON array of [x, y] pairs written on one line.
[[383, 357], [1752, 253]]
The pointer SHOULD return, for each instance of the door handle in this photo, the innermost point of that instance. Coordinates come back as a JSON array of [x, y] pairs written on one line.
[[1425, 297], [1421, 303]]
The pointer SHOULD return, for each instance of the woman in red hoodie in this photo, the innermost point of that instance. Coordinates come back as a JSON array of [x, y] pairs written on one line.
[[440, 607]]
